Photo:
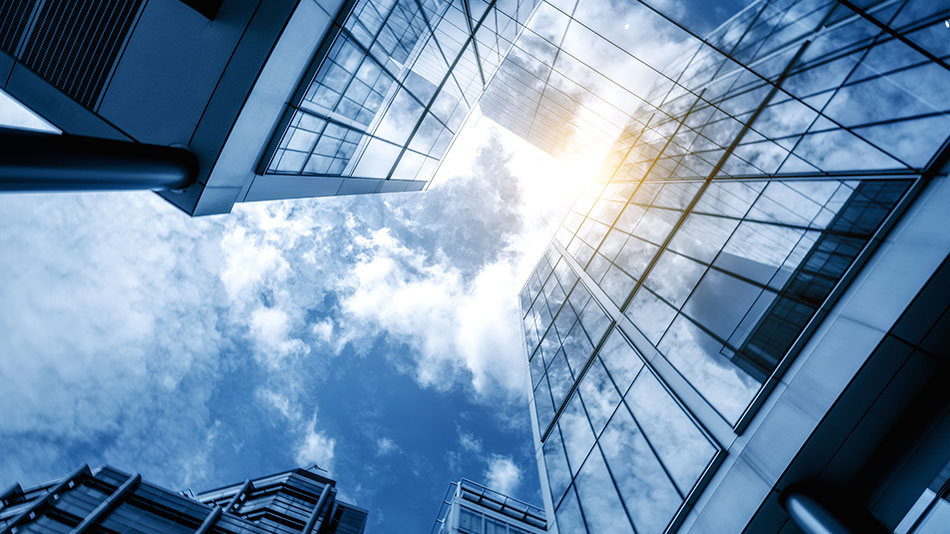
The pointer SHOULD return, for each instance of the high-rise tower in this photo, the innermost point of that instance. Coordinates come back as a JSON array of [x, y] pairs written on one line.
[[276, 99], [741, 326]]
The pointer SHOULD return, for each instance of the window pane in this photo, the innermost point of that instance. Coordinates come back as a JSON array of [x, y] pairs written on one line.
[[602, 508], [647, 491], [555, 463], [621, 361], [569, 515], [470, 521], [578, 437], [684, 450], [708, 367], [599, 395]]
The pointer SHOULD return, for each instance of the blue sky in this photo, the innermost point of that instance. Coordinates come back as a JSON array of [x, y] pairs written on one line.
[[377, 336]]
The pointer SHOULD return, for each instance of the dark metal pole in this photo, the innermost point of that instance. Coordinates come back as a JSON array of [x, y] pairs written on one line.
[[317, 508], [209, 521], [106, 506], [238, 497], [810, 516], [35, 162]]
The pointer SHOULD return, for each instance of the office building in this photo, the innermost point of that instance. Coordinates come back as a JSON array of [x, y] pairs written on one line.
[[579, 71], [277, 99], [564, 87], [742, 325], [470, 508], [108, 500]]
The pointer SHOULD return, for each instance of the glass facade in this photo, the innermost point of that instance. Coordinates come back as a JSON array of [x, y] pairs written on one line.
[[579, 72], [470, 508], [392, 87], [735, 203], [109, 500]]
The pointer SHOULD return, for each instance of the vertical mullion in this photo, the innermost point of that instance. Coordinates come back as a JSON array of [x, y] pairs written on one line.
[[722, 160]]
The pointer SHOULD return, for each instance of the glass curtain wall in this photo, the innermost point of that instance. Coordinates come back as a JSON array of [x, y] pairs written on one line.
[[394, 87], [579, 71], [742, 194]]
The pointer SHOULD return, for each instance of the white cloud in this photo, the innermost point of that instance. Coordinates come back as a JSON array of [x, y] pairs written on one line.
[[385, 446], [502, 475], [323, 330], [271, 331], [468, 441], [316, 448], [248, 262], [122, 317], [459, 327], [104, 345], [279, 402]]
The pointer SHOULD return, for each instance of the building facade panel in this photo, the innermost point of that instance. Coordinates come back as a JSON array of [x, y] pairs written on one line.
[[277, 99], [396, 83], [108, 500], [757, 176], [470, 508]]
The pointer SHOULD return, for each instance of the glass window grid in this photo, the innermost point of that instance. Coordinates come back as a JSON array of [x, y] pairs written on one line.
[[369, 63], [571, 324], [542, 136], [472, 521], [786, 97], [598, 265], [623, 403], [838, 125]]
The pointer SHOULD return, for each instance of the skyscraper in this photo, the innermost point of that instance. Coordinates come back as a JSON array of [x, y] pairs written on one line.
[[470, 508], [108, 500], [550, 92], [742, 324], [276, 99], [579, 71]]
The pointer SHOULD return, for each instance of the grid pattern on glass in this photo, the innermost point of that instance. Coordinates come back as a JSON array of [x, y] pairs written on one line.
[[737, 197], [730, 293], [643, 233], [474, 522], [566, 346], [632, 454], [618, 247], [396, 84], [841, 94], [569, 84]]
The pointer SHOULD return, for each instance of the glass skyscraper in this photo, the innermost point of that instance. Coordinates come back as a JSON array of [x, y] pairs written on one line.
[[397, 80], [579, 71], [470, 508], [562, 86], [107, 500], [274, 99], [769, 214]]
